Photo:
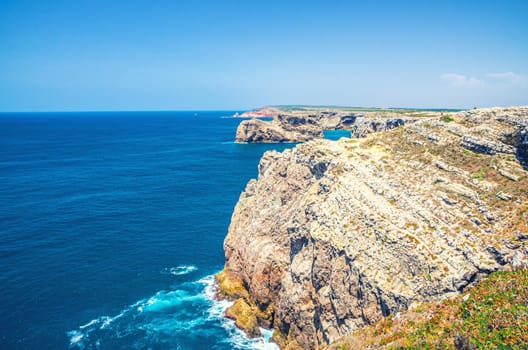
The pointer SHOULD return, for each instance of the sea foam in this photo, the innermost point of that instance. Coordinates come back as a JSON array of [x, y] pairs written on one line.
[[179, 270], [164, 318]]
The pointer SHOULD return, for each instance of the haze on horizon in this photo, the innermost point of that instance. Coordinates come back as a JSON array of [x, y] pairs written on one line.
[[189, 55]]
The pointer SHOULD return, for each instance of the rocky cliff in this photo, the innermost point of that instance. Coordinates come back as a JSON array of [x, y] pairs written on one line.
[[308, 125], [263, 112], [334, 235], [283, 128]]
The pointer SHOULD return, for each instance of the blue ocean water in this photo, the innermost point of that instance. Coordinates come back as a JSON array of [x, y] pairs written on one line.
[[336, 134], [111, 226]]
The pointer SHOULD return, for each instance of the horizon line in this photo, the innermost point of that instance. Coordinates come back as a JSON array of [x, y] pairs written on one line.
[[235, 109], [451, 108]]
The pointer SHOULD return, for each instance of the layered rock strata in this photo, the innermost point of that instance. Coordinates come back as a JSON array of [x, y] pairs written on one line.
[[334, 235], [308, 126]]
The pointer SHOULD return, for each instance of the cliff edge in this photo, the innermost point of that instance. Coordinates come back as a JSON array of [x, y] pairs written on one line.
[[308, 124], [335, 235]]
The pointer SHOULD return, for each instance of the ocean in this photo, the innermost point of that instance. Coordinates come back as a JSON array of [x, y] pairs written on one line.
[[112, 226]]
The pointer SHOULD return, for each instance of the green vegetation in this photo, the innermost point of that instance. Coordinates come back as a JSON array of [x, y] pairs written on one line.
[[446, 118], [494, 315], [480, 174]]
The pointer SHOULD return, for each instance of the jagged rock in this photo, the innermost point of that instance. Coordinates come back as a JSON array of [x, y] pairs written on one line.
[[462, 190], [514, 116], [481, 145], [447, 200], [504, 196], [256, 130], [334, 235], [521, 141], [302, 127], [244, 317], [364, 126], [433, 137], [508, 175]]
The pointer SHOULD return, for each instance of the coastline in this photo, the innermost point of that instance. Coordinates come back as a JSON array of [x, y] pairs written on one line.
[[314, 241]]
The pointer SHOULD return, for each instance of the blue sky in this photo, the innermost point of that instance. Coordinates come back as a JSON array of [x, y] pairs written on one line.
[[173, 55]]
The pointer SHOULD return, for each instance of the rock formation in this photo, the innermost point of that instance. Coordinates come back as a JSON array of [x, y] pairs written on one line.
[[305, 126], [334, 235], [255, 130], [263, 112]]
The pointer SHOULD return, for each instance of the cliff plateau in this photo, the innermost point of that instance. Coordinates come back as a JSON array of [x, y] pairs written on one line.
[[335, 235], [308, 124]]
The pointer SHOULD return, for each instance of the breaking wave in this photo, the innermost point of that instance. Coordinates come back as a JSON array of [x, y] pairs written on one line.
[[188, 317], [179, 270]]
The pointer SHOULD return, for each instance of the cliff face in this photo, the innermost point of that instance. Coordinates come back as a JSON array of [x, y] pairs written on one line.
[[303, 127], [278, 130], [334, 235]]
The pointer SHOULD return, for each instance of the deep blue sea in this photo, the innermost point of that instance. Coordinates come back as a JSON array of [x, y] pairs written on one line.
[[111, 226]]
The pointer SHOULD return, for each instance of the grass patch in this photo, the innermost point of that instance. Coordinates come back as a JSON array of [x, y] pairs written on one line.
[[480, 174], [493, 316], [446, 118]]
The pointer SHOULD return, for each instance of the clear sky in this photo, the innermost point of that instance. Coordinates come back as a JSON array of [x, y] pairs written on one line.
[[172, 55]]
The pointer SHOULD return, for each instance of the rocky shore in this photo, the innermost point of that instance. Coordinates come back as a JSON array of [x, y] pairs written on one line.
[[336, 235]]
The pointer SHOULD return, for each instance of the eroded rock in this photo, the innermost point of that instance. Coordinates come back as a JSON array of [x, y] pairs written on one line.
[[334, 235], [301, 127]]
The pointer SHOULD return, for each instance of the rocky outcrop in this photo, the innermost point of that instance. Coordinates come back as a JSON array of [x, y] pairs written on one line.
[[363, 126], [301, 127], [334, 235], [481, 145], [255, 130], [521, 142], [263, 112]]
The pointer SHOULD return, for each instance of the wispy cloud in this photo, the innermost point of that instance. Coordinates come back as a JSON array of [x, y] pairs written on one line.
[[461, 80], [510, 77]]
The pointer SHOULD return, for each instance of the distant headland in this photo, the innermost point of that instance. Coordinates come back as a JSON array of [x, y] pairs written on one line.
[[304, 123]]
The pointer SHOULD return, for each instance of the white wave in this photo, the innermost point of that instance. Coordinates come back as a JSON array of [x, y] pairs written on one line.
[[179, 270], [167, 315], [164, 301], [104, 321], [218, 307], [209, 286], [76, 338], [92, 322], [107, 321], [236, 336]]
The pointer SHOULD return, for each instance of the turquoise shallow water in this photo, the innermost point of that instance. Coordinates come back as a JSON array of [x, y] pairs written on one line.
[[112, 225], [336, 134]]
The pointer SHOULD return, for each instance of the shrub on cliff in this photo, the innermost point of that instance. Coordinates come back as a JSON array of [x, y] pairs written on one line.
[[491, 315]]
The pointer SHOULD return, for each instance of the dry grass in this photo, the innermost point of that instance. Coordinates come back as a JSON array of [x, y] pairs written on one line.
[[493, 316]]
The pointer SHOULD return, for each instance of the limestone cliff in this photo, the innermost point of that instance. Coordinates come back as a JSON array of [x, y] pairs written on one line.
[[334, 235], [255, 130], [308, 125]]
